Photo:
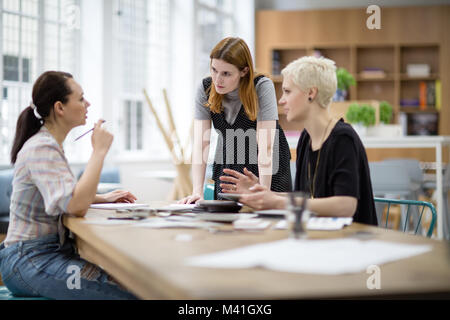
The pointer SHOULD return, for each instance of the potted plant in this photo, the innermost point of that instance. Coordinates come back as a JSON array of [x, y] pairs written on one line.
[[385, 112], [361, 117], [385, 128], [344, 81]]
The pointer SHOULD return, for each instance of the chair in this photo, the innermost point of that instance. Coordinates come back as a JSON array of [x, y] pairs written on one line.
[[6, 177], [445, 190], [393, 180], [409, 204], [109, 180], [5, 294]]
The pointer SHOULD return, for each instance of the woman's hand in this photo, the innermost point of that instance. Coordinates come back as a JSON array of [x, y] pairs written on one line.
[[101, 139], [262, 198], [193, 198], [116, 196], [238, 182]]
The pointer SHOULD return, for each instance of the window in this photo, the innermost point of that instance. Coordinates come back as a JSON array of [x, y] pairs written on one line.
[[214, 21], [37, 35], [141, 37]]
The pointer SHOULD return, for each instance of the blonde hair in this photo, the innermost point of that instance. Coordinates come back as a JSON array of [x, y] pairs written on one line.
[[311, 72], [236, 52]]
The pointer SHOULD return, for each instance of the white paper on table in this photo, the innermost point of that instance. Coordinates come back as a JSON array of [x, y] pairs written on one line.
[[112, 222], [321, 223], [176, 207], [116, 206], [176, 223], [337, 256], [251, 224], [328, 223]]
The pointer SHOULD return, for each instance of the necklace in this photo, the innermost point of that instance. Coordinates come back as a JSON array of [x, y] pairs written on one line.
[[312, 183]]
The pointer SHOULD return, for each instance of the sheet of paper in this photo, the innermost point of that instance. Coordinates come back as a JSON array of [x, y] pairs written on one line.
[[176, 207], [108, 222], [116, 206], [321, 223], [176, 223], [336, 256], [251, 224]]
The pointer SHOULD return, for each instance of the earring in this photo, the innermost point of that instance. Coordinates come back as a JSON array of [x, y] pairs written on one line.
[[309, 99]]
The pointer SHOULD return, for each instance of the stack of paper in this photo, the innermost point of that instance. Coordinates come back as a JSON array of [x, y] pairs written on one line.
[[335, 256]]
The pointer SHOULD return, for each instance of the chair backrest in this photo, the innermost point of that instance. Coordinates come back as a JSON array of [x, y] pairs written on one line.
[[108, 175], [413, 166], [389, 178], [411, 203], [6, 177]]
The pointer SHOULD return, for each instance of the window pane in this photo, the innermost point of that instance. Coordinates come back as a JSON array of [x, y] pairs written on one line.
[[51, 10], [30, 46], [51, 46], [211, 3], [11, 34], [22, 55], [128, 115], [10, 68], [226, 5], [30, 7], [11, 5], [139, 126]]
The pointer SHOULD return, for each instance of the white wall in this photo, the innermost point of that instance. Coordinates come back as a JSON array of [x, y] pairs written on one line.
[[331, 4]]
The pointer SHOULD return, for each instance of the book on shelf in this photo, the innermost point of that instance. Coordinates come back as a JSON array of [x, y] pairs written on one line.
[[409, 102], [438, 94], [431, 94], [428, 96], [372, 73], [418, 70], [423, 95]]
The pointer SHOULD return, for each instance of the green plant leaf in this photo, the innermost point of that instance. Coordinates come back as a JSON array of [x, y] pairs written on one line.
[[353, 113], [344, 79], [385, 112]]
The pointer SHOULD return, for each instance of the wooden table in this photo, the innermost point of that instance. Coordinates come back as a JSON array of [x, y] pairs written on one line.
[[149, 262]]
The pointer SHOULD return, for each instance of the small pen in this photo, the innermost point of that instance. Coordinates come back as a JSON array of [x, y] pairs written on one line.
[[86, 132], [126, 218]]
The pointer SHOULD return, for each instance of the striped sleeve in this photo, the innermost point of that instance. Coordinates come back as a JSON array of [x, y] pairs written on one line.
[[50, 172]]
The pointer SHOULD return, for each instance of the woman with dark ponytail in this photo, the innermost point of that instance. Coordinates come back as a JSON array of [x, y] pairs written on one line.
[[37, 258]]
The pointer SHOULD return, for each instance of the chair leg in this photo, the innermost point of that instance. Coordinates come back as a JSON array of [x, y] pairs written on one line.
[[393, 218]]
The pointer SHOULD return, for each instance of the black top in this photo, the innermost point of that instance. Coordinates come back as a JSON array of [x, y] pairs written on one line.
[[343, 170], [237, 148]]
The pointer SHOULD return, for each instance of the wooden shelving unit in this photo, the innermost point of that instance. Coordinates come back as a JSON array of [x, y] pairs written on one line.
[[409, 35], [394, 86]]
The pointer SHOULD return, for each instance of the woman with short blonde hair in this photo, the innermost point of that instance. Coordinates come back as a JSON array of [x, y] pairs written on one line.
[[331, 161], [309, 72]]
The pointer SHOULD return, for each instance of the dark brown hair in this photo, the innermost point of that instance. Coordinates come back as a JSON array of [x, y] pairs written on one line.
[[49, 88]]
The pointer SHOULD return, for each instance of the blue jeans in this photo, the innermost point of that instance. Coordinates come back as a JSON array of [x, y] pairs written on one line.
[[43, 267]]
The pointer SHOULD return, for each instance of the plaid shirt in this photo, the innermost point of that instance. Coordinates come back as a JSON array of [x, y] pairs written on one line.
[[43, 185]]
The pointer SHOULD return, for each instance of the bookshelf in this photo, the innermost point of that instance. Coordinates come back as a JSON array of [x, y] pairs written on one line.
[[390, 82], [409, 35]]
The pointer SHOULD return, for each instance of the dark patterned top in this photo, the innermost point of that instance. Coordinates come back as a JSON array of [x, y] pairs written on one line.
[[237, 149]]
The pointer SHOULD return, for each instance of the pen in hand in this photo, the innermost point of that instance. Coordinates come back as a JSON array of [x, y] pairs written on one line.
[[86, 132]]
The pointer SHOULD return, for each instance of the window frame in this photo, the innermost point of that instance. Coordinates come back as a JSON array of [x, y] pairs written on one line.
[[41, 20]]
